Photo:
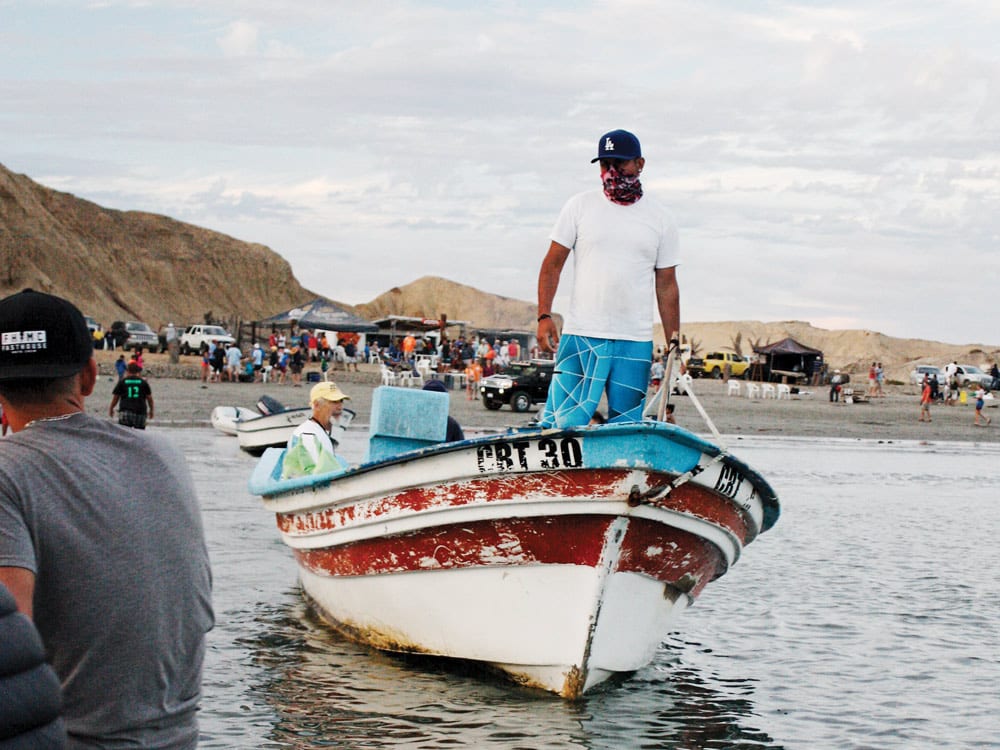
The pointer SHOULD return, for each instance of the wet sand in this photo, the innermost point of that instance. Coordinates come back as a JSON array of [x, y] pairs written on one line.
[[182, 400]]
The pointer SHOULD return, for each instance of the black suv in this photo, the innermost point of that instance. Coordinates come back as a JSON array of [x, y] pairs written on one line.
[[520, 385]]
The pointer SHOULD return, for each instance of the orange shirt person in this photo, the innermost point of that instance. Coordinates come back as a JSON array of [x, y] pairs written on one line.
[[473, 374], [409, 344]]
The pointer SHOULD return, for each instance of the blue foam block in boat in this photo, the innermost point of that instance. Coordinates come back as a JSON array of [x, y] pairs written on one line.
[[404, 420]]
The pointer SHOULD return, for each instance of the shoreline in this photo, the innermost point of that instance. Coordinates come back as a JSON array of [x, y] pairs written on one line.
[[183, 401]]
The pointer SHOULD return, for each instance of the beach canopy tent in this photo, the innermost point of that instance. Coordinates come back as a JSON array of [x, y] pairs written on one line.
[[321, 314], [788, 359], [395, 327]]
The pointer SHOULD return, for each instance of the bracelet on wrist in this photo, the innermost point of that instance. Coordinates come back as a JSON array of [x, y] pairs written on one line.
[[544, 316]]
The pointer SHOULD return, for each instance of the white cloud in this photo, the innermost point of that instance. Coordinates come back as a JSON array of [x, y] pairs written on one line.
[[239, 40]]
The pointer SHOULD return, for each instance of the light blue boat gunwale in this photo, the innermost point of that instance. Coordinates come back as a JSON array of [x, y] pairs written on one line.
[[631, 445]]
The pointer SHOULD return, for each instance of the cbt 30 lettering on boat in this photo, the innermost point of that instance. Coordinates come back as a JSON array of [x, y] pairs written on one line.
[[560, 557]]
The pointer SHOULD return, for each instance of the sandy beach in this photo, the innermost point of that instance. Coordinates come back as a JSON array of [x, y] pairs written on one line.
[[182, 400]]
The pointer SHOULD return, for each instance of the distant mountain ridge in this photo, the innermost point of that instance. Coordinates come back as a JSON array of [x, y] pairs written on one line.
[[134, 265], [432, 297]]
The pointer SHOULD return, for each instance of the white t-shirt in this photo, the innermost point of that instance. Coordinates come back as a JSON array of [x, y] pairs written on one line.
[[615, 252], [314, 437]]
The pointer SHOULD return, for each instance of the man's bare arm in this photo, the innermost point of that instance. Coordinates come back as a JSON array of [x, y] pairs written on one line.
[[548, 283], [668, 301]]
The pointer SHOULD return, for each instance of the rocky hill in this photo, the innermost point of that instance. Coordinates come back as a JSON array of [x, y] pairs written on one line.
[[133, 265], [432, 297]]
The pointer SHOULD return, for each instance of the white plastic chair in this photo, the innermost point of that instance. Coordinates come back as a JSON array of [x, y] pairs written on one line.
[[784, 391], [753, 390], [734, 388], [682, 382], [408, 378], [388, 376], [767, 391]]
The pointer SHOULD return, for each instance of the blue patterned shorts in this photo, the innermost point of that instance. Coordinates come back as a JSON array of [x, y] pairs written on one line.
[[586, 368]]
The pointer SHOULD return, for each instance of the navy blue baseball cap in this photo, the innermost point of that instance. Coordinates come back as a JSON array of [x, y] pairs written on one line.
[[618, 144], [42, 336]]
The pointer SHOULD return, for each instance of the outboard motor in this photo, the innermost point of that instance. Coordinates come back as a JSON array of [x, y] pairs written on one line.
[[267, 405]]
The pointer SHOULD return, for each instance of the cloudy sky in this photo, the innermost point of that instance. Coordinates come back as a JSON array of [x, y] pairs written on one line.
[[831, 162]]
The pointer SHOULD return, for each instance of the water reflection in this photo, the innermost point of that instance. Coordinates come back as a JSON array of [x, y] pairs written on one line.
[[326, 691]]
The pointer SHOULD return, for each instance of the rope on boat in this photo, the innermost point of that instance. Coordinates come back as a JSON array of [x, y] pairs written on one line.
[[664, 395], [636, 497]]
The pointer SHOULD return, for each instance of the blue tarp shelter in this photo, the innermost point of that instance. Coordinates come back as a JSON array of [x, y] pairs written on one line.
[[321, 314]]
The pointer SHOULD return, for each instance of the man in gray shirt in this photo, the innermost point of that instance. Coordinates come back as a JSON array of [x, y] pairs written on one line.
[[101, 540]]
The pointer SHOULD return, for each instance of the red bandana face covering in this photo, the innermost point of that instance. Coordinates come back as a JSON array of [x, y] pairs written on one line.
[[619, 188]]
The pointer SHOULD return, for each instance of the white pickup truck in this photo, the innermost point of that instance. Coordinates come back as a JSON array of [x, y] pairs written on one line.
[[196, 339]]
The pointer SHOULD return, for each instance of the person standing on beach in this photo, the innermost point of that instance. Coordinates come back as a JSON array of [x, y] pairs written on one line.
[[110, 565], [981, 418], [625, 253], [926, 395], [136, 399]]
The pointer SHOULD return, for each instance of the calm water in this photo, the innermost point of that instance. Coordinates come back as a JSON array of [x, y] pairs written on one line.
[[869, 617]]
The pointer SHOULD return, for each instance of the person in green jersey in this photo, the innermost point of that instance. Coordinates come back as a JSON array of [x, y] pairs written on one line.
[[134, 398]]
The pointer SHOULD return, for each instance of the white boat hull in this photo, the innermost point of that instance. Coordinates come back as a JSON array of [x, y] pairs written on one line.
[[224, 418], [270, 431], [559, 557]]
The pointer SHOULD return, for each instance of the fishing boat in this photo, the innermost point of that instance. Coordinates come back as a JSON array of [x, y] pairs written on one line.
[[559, 557], [224, 418], [265, 431], [276, 423]]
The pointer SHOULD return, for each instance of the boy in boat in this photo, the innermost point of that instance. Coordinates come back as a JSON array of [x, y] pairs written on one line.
[[624, 249]]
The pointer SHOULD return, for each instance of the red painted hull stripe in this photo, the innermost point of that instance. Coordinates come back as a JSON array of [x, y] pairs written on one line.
[[649, 548], [595, 484]]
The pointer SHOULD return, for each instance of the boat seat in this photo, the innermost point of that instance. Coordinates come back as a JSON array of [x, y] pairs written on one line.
[[734, 388], [405, 420]]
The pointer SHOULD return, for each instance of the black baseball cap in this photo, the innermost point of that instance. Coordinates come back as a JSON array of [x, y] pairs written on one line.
[[42, 336], [618, 144]]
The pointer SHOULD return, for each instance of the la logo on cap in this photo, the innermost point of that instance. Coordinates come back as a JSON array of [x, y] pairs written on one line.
[[609, 145]]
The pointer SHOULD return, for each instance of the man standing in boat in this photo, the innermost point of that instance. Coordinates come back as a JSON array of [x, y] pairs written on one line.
[[101, 540], [625, 255]]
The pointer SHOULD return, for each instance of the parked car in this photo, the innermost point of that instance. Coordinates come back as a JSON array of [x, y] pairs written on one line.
[[971, 374], [695, 366], [714, 365], [196, 339], [92, 325], [520, 385], [917, 374], [133, 334]]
